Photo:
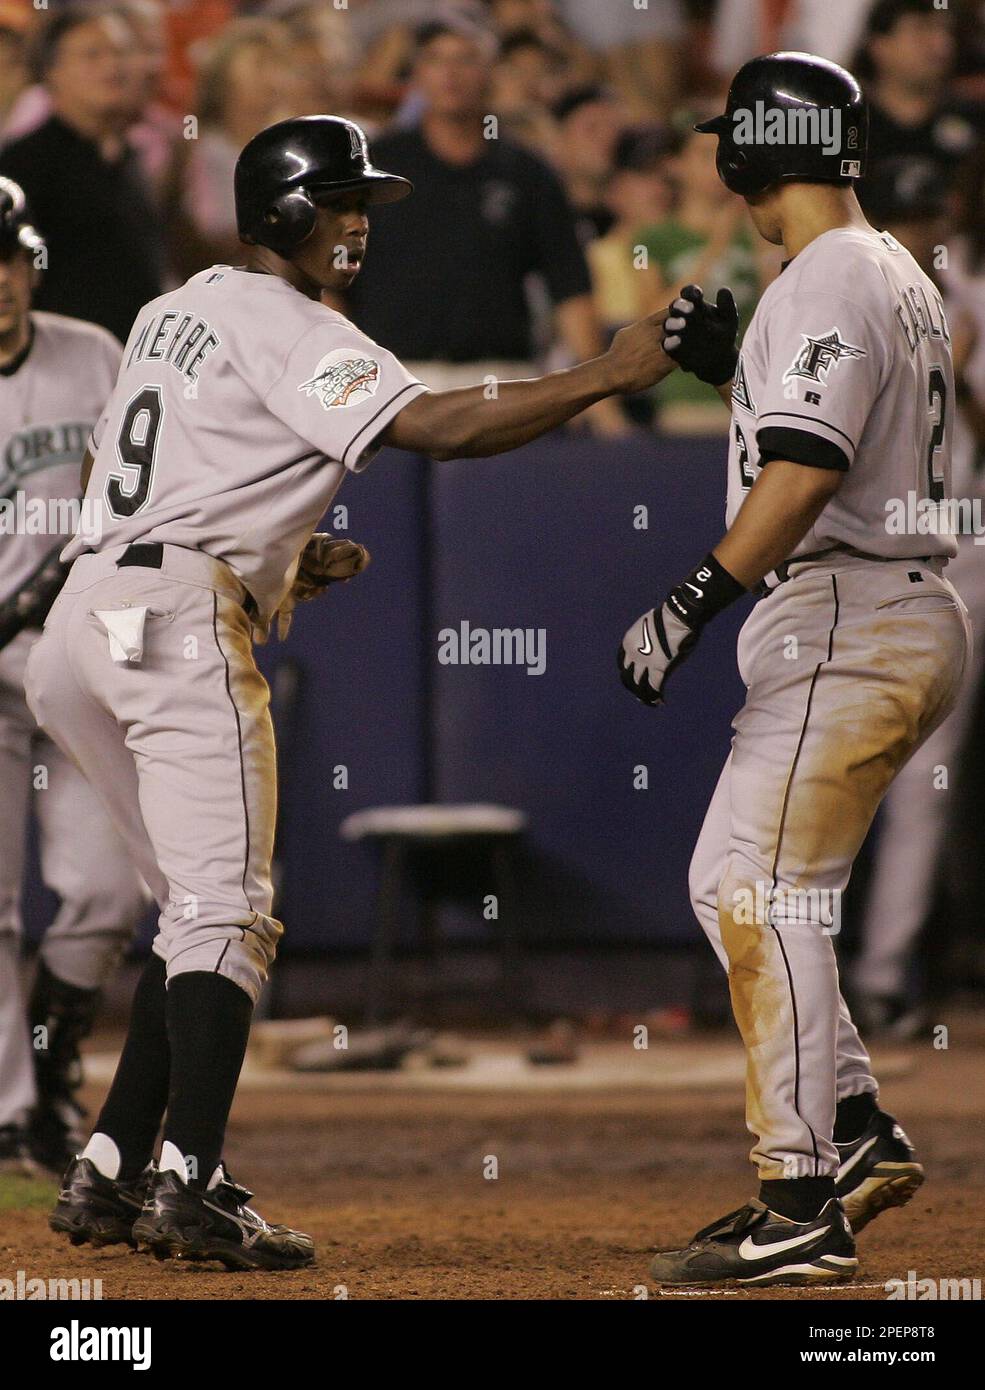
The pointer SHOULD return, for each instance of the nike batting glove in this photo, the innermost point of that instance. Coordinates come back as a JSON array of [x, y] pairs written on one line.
[[652, 647], [700, 337], [660, 640]]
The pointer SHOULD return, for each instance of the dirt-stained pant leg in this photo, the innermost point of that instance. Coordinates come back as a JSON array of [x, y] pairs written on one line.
[[191, 721], [916, 812], [847, 673], [854, 1068]]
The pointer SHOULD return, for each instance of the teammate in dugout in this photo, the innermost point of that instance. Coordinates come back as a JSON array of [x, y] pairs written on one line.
[[55, 375], [241, 403], [842, 400]]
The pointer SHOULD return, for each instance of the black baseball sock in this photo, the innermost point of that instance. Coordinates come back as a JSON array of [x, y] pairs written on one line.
[[800, 1199], [208, 1020], [852, 1115], [131, 1114]]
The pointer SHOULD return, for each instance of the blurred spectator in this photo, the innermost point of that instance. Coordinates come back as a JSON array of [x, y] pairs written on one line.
[[589, 122], [920, 820], [156, 129], [247, 81], [744, 28], [705, 240], [444, 284], [83, 179], [189, 24], [541, 17], [528, 79], [641, 48], [906, 59], [378, 48], [14, 71], [638, 196]]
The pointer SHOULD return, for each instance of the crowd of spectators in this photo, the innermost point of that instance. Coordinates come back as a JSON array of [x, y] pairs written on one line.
[[560, 189]]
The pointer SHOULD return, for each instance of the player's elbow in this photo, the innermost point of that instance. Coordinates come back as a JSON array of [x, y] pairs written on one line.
[[432, 424]]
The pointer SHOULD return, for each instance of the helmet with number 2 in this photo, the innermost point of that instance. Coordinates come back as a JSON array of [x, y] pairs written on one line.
[[790, 116]]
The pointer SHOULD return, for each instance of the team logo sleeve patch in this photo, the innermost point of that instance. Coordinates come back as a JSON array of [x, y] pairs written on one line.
[[343, 378], [741, 395], [818, 355]]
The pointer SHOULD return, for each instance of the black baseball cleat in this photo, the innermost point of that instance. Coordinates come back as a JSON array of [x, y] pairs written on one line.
[[95, 1209], [216, 1224], [757, 1247], [877, 1170]]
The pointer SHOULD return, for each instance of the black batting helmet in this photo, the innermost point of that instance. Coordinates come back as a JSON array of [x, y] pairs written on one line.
[[790, 116], [15, 225], [282, 169]]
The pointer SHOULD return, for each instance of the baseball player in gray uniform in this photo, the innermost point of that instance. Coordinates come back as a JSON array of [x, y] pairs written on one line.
[[241, 404], [919, 806], [842, 401], [55, 376]]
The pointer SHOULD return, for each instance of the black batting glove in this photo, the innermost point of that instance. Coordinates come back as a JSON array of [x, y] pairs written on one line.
[[700, 337], [660, 640]]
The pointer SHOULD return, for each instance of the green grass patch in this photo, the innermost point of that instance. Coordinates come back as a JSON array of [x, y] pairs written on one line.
[[21, 1194]]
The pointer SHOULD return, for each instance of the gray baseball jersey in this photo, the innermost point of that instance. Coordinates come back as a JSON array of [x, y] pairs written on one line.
[[847, 365], [918, 809], [239, 406], [48, 404]]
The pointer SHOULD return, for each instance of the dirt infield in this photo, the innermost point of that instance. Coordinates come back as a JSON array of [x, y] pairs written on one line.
[[393, 1187]]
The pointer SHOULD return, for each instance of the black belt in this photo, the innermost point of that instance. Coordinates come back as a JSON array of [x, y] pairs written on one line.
[[782, 571], [150, 555]]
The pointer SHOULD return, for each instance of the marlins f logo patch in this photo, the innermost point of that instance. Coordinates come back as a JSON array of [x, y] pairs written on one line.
[[341, 379], [819, 355]]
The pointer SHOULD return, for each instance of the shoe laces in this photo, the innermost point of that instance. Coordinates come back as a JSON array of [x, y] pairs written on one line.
[[731, 1224]]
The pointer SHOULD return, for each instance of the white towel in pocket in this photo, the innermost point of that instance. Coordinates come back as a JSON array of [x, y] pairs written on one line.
[[125, 627]]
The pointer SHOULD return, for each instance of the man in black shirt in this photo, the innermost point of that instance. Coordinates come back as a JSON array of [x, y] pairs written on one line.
[[909, 53], [456, 259], [104, 258]]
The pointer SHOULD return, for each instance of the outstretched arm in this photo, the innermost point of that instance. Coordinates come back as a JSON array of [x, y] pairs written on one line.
[[481, 420]]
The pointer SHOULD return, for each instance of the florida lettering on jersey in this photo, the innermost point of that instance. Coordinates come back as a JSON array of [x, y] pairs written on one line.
[[41, 446], [48, 405]]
